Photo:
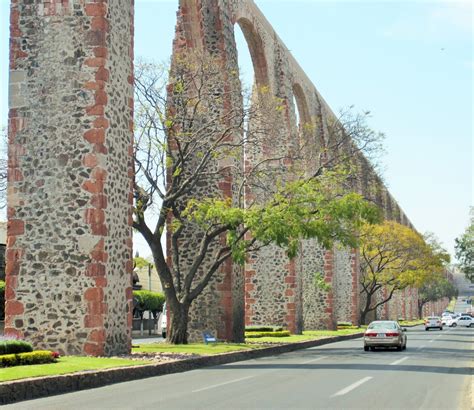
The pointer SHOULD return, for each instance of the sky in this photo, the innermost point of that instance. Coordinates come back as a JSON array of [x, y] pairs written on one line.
[[410, 62]]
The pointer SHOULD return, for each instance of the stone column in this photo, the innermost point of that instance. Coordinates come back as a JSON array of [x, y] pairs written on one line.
[[69, 245]]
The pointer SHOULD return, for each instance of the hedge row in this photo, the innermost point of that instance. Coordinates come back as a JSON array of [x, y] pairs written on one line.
[[14, 346], [21, 359], [254, 335], [263, 328]]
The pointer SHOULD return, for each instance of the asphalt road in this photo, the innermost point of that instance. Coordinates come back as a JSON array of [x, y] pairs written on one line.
[[435, 372]]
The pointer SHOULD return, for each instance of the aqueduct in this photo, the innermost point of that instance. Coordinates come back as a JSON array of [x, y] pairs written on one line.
[[71, 170]]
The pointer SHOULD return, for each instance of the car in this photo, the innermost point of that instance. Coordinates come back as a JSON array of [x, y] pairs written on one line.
[[385, 333], [433, 322], [464, 321], [445, 319], [451, 322], [164, 321]]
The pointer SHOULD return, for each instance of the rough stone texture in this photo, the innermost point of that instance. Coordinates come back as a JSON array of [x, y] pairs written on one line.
[[343, 285], [70, 172]]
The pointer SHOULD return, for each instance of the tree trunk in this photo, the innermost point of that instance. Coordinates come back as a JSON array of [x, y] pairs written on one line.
[[420, 309], [178, 329], [366, 309]]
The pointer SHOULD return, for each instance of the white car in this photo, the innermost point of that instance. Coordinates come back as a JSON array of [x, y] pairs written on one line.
[[433, 322], [463, 321], [164, 321]]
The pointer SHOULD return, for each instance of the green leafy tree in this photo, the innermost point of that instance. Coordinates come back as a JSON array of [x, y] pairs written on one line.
[[465, 249], [191, 144], [394, 257], [437, 288], [147, 300]]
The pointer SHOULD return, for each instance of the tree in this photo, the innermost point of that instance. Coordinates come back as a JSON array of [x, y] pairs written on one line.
[[187, 143], [394, 257], [437, 288], [465, 249]]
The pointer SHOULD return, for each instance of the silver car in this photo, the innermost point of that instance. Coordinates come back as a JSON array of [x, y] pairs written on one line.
[[385, 333]]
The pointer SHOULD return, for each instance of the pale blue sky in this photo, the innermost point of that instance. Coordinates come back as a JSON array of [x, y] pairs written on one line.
[[409, 62]]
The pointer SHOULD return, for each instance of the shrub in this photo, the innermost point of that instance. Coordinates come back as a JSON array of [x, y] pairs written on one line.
[[25, 359], [254, 335], [147, 300], [344, 324], [263, 328], [14, 346]]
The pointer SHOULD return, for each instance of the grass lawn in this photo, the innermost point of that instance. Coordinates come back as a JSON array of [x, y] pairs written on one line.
[[67, 364], [411, 322], [307, 335], [195, 348]]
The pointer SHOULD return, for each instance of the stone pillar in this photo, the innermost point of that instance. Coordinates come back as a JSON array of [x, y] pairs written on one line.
[[355, 291], [328, 277], [203, 29], [70, 170]]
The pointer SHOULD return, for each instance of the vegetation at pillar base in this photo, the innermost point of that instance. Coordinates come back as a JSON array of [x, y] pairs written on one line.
[[13, 346], [394, 257], [465, 249], [28, 358], [191, 138]]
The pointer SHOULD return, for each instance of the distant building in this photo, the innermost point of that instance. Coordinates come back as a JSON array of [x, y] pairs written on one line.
[[145, 282]]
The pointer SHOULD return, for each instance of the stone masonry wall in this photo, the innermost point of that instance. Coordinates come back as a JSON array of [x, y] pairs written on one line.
[[70, 172], [343, 285]]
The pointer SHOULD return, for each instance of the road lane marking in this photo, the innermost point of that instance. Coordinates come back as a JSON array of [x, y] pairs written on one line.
[[351, 387], [421, 347], [431, 341], [399, 361], [222, 384], [314, 360]]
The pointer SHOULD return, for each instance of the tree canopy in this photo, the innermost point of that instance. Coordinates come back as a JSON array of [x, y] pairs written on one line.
[[393, 257], [465, 249]]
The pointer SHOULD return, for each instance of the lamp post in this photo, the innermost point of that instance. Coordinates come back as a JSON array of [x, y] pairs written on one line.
[[150, 321]]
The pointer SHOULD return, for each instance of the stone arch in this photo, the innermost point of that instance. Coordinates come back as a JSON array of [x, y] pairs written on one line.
[[302, 106], [257, 51]]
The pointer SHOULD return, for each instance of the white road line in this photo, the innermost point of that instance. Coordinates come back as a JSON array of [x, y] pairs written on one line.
[[431, 341], [222, 384], [421, 347], [351, 387], [314, 360], [399, 361]]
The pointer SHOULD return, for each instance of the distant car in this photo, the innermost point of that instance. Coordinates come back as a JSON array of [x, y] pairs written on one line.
[[164, 321], [464, 321], [446, 319], [451, 322], [433, 322], [385, 333]]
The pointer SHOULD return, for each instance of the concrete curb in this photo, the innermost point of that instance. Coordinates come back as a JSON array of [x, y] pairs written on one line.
[[27, 389]]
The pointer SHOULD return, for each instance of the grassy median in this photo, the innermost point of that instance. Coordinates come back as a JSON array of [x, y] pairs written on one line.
[[193, 348], [73, 364], [64, 365]]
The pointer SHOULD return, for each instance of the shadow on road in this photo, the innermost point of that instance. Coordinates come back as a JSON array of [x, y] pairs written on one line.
[[355, 366]]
